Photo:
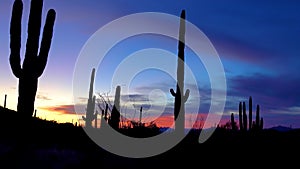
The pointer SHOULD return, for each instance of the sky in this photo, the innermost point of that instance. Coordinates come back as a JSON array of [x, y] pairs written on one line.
[[257, 42]]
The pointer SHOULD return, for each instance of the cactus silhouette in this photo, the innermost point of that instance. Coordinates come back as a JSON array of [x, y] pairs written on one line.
[[232, 122], [34, 113], [5, 97], [90, 110], [115, 113], [257, 118], [250, 113], [244, 117], [259, 121], [180, 98], [34, 62], [255, 125], [261, 124], [96, 120], [240, 116], [104, 116]]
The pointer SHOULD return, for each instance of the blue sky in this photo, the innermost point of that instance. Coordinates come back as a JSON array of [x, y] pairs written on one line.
[[257, 41]]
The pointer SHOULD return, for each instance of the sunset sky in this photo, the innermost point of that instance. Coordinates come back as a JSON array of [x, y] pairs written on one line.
[[257, 41]]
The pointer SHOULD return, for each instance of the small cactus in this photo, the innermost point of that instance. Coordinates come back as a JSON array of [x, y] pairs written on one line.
[[5, 97]]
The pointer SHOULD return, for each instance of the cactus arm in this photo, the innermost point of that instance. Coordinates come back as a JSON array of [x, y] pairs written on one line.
[[15, 37], [46, 42], [186, 96], [34, 25], [172, 92]]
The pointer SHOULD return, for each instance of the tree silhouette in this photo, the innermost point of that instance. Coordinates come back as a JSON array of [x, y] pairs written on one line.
[[34, 62]]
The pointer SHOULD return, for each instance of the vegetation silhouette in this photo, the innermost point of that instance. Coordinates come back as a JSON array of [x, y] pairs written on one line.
[[64, 145], [34, 62]]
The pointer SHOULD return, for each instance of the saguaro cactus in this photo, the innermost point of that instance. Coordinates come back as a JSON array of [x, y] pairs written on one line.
[[34, 62], [5, 97], [244, 117], [90, 110], [180, 98], [232, 122], [261, 124], [241, 116], [250, 113], [115, 113], [259, 121]]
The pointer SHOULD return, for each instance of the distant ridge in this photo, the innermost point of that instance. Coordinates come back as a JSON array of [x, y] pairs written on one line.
[[281, 128]]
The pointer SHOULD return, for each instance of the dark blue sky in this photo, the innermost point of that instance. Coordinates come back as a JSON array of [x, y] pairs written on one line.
[[257, 41]]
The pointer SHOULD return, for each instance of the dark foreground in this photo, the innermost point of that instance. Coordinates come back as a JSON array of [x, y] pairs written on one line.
[[48, 145]]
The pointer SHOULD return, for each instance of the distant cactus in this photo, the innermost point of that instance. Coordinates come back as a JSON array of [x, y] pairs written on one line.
[[259, 121], [5, 97], [104, 118], [255, 125], [141, 110], [261, 124], [257, 118], [250, 113], [180, 98], [96, 120], [240, 116], [34, 62], [244, 117], [34, 113], [105, 113], [115, 113], [90, 110], [232, 122]]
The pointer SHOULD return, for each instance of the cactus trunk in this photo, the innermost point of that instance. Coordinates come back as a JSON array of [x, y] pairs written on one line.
[[232, 122], [180, 98], [244, 117], [240, 116], [90, 110], [34, 62], [257, 118], [5, 97], [261, 124], [115, 113], [96, 120], [250, 113]]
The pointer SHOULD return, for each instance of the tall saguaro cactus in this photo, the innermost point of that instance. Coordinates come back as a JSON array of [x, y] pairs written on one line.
[[90, 110], [244, 117], [241, 116], [35, 59], [180, 98], [250, 113], [115, 113]]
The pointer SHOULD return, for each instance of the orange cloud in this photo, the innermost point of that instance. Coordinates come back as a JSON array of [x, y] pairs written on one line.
[[62, 109]]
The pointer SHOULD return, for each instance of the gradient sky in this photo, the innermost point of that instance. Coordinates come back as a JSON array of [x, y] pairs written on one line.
[[257, 41]]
